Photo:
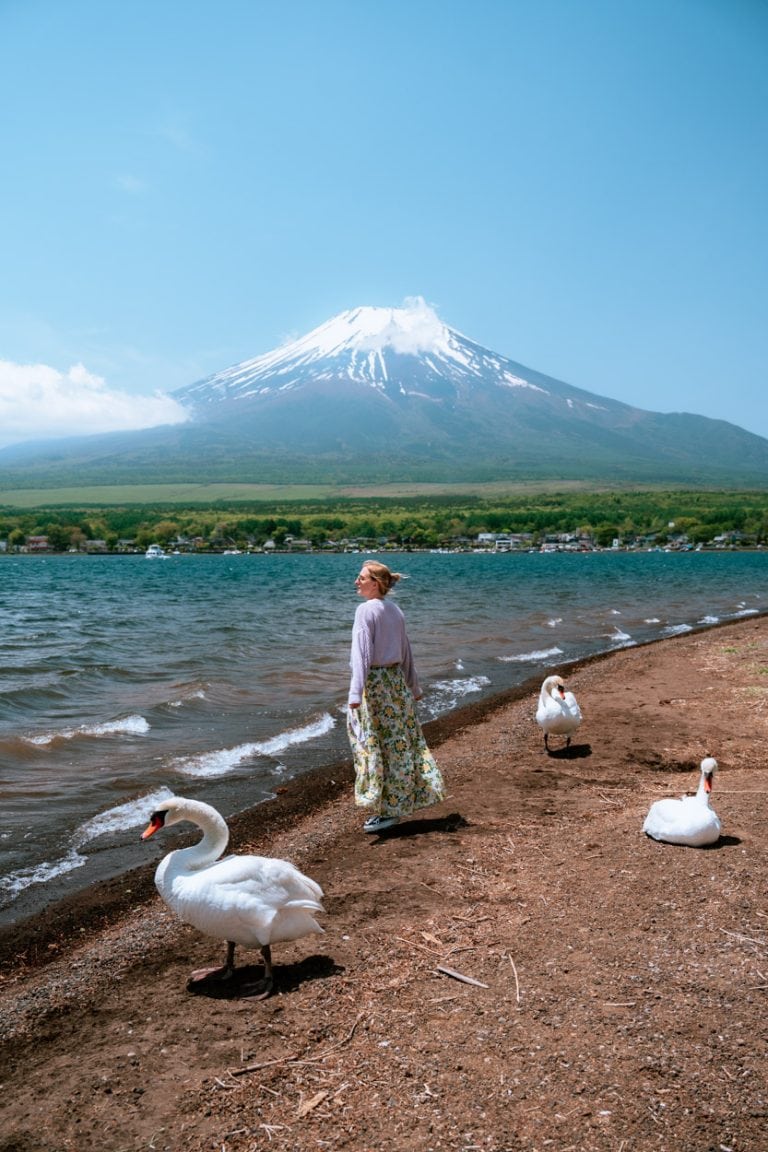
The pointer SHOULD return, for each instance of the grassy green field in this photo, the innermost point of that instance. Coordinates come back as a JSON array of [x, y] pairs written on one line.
[[414, 515], [190, 495]]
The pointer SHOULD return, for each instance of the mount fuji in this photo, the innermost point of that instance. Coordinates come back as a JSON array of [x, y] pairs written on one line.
[[393, 394]]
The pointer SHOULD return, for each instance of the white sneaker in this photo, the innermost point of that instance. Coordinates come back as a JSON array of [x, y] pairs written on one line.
[[379, 823]]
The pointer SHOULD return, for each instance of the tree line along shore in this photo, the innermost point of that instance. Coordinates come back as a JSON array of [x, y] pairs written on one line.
[[575, 521]]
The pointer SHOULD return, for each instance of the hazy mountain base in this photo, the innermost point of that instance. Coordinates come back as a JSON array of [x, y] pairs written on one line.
[[330, 441]]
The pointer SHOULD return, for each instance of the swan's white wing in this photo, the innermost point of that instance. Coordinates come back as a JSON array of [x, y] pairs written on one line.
[[686, 821], [572, 706], [558, 716], [252, 900]]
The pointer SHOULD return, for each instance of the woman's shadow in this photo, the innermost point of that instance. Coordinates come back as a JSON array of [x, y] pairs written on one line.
[[420, 827]]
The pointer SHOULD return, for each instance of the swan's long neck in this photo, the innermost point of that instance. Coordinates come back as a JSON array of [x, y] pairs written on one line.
[[215, 836], [547, 691], [705, 787]]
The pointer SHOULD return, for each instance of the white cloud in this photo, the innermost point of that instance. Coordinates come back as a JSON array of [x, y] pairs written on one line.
[[37, 402], [414, 328]]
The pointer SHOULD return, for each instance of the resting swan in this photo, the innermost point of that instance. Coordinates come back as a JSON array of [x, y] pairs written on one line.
[[250, 900], [558, 713], [689, 820]]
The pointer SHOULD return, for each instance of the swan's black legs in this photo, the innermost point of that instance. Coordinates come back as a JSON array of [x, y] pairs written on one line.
[[226, 972], [268, 981], [260, 991]]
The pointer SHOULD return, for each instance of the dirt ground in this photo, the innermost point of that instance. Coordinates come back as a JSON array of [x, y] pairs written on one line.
[[615, 988]]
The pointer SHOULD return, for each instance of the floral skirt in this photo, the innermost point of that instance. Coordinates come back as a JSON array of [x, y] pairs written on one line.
[[395, 772]]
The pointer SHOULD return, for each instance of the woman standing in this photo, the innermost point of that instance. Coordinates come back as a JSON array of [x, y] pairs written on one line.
[[395, 773]]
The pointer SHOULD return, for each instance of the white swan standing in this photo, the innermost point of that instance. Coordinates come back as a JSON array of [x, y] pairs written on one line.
[[255, 901], [689, 820], [558, 712]]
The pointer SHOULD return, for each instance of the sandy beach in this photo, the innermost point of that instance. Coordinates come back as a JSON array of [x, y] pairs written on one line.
[[520, 968]]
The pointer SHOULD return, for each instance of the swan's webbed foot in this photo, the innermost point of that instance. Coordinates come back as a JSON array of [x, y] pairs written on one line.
[[262, 989], [225, 972], [209, 975]]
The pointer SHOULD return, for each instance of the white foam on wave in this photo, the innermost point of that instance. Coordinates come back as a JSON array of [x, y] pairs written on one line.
[[747, 612], [15, 882], [531, 657], [651, 620], [122, 817], [444, 695], [127, 726], [118, 819], [458, 688], [225, 760], [553, 623], [199, 695], [677, 629], [709, 620], [622, 639]]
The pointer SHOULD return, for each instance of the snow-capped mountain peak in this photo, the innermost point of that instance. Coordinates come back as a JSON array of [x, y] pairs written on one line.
[[410, 330], [397, 351]]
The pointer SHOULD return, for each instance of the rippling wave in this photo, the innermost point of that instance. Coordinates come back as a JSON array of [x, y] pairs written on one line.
[[121, 681]]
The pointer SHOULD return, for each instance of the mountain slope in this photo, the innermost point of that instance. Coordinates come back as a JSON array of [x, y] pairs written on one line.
[[384, 394]]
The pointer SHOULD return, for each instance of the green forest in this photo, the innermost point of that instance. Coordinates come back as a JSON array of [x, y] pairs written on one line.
[[406, 522]]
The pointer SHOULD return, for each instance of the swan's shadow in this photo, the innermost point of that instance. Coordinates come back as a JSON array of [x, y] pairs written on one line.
[[245, 980], [723, 842], [420, 827], [572, 752]]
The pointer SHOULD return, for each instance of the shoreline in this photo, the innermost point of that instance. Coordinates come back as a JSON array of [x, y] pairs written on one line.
[[35, 920], [38, 923], [518, 967]]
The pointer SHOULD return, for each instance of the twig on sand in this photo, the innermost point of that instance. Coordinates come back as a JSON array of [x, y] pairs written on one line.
[[297, 1058], [340, 1044], [748, 939], [309, 1105], [517, 982], [610, 800], [258, 1067], [424, 947], [460, 976]]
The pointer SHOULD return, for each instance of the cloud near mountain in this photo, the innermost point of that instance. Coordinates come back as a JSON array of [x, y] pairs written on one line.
[[38, 401], [378, 395]]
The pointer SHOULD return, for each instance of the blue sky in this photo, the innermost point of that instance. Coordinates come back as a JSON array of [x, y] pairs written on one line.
[[577, 184]]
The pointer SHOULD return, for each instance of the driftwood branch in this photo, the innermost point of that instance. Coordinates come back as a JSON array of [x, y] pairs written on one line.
[[460, 976], [517, 982]]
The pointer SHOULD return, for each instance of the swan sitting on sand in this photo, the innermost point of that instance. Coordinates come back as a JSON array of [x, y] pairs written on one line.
[[689, 820], [558, 713], [255, 901]]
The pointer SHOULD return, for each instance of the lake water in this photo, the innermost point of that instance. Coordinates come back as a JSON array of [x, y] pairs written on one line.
[[124, 679]]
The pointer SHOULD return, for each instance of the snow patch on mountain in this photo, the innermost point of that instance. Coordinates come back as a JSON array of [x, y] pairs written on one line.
[[404, 351]]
